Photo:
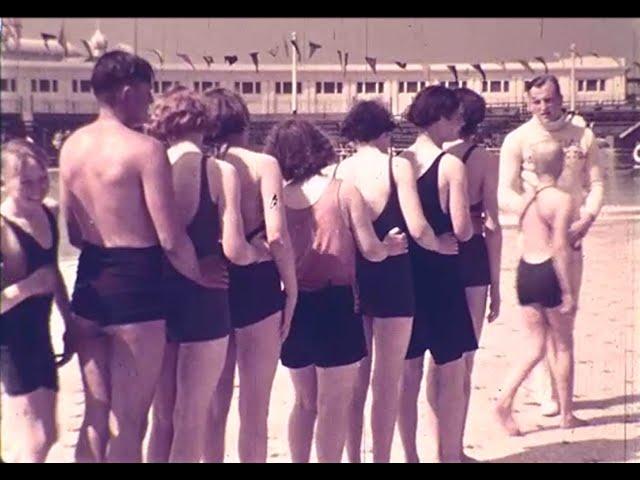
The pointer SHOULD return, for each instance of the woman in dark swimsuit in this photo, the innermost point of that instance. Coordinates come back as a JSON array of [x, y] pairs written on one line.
[[198, 318], [442, 323], [479, 256], [261, 311], [385, 289]]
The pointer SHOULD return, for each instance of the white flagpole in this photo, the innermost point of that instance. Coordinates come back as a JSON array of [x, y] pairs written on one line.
[[294, 77]]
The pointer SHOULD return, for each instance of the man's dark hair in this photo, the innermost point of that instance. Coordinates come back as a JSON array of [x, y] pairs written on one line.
[[540, 80], [431, 104], [115, 69]]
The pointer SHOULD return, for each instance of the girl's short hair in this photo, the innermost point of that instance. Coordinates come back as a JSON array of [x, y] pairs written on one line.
[[177, 112], [18, 151], [301, 148], [366, 121], [473, 110], [431, 104]]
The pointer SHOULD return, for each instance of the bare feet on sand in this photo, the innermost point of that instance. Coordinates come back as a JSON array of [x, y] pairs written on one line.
[[573, 422], [506, 421]]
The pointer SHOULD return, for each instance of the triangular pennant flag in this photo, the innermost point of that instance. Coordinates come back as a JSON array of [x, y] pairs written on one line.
[[372, 63], [454, 72], [46, 37], [340, 57], [346, 61], [187, 59], [595, 54], [526, 65], [478, 67], [87, 46], [274, 51], [402, 65], [158, 54], [542, 61], [254, 57], [231, 59], [286, 46], [313, 47], [296, 47], [208, 60], [62, 40]]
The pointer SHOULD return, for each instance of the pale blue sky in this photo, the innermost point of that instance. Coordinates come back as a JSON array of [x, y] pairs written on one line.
[[388, 39]]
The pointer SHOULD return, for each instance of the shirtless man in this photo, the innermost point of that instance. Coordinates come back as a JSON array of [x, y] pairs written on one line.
[[581, 176], [116, 193]]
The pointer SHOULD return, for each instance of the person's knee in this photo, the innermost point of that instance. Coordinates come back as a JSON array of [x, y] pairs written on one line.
[[412, 375], [537, 353], [42, 435], [187, 416], [162, 412], [129, 421], [218, 413], [359, 396], [386, 383], [564, 342], [96, 416], [452, 375], [253, 408], [307, 402], [334, 400]]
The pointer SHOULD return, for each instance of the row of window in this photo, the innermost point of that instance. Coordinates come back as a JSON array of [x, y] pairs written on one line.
[[44, 85], [328, 87], [285, 88], [495, 86], [85, 86], [248, 88], [411, 87], [592, 85], [370, 87]]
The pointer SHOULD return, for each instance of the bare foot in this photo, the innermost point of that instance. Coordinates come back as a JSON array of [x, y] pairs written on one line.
[[573, 422], [505, 419], [549, 408]]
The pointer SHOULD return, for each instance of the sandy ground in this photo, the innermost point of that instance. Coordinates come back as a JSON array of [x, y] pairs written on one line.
[[607, 387]]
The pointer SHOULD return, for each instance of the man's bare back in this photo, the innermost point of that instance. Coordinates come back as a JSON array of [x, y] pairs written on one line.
[[101, 166]]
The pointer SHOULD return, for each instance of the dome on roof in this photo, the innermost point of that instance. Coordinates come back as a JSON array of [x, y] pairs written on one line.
[[98, 42]]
